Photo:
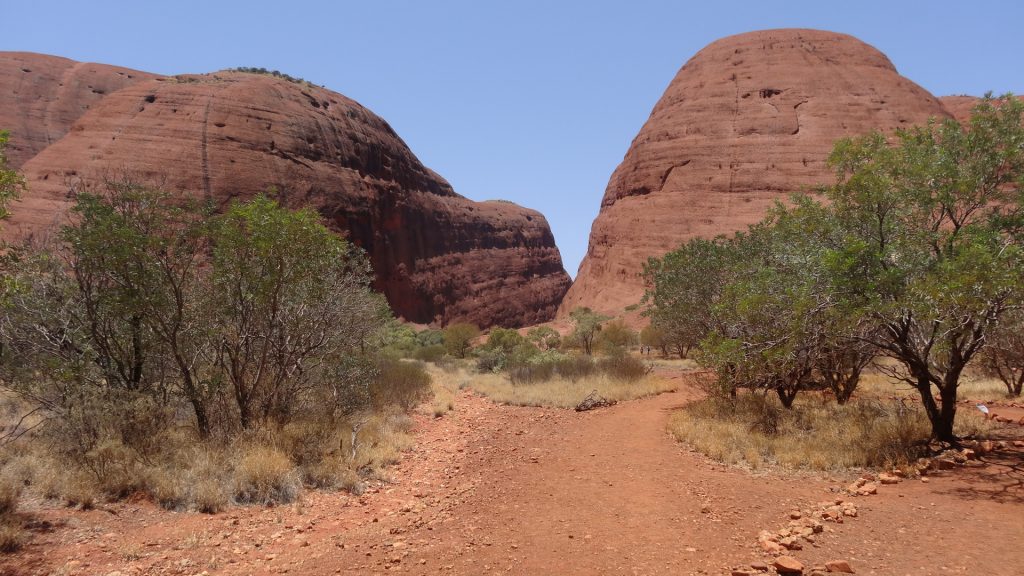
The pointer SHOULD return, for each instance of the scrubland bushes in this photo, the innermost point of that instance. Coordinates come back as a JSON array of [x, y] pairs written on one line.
[[201, 359], [756, 430], [917, 256]]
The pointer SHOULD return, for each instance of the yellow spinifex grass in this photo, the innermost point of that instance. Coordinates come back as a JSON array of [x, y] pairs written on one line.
[[562, 393], [756, 431]]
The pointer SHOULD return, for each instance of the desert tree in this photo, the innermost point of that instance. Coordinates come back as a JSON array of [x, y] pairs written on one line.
[[586, 325], [683, 289], [1003, 355], [135, 256], [654, 337], [288, 298], [931, 250], [458, 338], [544, 337]]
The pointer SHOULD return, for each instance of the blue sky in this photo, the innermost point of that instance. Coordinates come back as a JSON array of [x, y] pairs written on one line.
[[529, 101]]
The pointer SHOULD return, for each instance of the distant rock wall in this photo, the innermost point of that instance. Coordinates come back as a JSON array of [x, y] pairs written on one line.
[[747, 121], [41, 96], [438, 257]]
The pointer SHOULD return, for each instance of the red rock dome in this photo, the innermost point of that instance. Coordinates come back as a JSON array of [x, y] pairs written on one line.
[[42, 96], [747, 121], [438, 257]]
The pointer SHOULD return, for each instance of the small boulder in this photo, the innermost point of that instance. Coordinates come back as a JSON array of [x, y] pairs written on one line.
[[888, 478], [772, 547], [791, 543], [841, 566], [788, 565], [868, 489]]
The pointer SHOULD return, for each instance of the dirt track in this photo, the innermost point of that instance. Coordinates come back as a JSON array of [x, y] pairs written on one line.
[[501, 490]]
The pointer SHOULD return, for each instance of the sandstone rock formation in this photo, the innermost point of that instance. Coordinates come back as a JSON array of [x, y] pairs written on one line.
[[41, 96], [438, 256], [748, 120], [961, 106]]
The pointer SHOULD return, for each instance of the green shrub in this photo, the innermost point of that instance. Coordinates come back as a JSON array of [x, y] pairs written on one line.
[[400, 383], [615, 336], [489, 361], [430, 338], [532, 372], [458, 338], [623, 367], [576, 367], [431, 353]]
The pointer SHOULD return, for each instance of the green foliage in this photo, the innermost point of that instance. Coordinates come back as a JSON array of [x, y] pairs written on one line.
[[586, 324], [656, 337], [400, 383], [11, 183], [399, 340], [274, 73], [916, 256], [246, 321], [283, 287], [201, 358], [931, 243], [433, 353], [615, 337], [544, 337], [458, 338], [430, 338], [504, 340], [623, 367]]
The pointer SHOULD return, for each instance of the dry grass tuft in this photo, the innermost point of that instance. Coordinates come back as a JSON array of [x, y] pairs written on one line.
[[265, 475], [12, 534], [444, 385], [756, 431], [560, 392], [269, 467]]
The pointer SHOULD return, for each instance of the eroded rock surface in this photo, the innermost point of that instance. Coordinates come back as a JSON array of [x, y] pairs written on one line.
[[747, 121], [41, 97], [438, 256]]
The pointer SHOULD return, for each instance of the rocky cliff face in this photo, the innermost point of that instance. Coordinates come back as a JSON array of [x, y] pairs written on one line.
[[438, 256], [747, 121], [960, 107], [41, 96]]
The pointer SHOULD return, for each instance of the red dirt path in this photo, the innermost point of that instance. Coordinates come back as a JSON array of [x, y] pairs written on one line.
[[494, 489]]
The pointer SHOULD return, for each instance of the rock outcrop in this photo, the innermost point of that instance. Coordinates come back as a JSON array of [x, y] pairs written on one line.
[[747, 121], [961, 106], [41, 96], [438, 257]]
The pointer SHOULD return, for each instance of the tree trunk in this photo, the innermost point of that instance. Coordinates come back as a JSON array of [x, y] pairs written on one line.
[[787, 395], [941, 414], [943, 429]]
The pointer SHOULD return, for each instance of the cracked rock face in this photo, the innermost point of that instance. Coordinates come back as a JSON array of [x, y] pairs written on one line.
[[42, 96], [747, 121], [437, 256]]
